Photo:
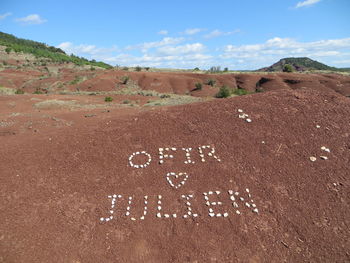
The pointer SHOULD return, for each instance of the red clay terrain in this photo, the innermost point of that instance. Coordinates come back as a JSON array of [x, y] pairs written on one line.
[[58, 80], [87, 181]]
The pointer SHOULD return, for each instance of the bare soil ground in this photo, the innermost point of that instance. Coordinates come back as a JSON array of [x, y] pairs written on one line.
[[58, 80], [64, 157]]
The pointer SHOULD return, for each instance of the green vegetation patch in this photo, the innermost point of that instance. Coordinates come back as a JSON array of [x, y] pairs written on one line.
[[41, 50]]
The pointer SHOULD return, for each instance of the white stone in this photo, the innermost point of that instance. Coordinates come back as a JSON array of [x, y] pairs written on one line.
[[248, 120], [312, 159], [240, 110], [324, 157]]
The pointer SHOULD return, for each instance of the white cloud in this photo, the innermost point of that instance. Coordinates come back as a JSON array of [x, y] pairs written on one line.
[[154, 60], [171, 52], [183, 49], [193, 31], [3, 16], [263, 54], [306, 3], [33, 19], [144, 47], [163, 32], [343, 61], [84, 49], [218, 33], [287, 46]]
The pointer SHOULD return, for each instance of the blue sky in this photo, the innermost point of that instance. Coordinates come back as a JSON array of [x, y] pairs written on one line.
[[238, 34]]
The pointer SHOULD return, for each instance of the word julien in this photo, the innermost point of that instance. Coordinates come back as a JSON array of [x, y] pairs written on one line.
[[238, 202], [205, 151]]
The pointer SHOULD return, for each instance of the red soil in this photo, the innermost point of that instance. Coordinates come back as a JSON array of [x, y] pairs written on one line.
[[58, 167], [165, 82]]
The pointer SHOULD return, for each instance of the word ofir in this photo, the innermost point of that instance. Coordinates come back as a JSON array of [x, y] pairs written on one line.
[[244, 200], [167, 153]]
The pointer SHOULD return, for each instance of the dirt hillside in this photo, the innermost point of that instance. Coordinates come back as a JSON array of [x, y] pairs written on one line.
[[131, 184], [58, 79]]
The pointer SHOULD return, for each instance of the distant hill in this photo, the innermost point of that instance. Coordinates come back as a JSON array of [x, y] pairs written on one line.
[[41, 50], [300, 64]]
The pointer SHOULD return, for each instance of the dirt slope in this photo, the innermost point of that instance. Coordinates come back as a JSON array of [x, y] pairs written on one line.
[[58, 80], [57, 183]]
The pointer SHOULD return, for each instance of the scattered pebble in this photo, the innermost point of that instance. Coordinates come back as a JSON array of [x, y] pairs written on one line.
[[323, 148], [312, 158], [248, 120], [324, 157]]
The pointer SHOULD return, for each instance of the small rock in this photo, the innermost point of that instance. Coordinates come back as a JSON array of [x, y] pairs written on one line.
[[89, 115], [324, 157], [248, 120], [312, 159], [318, 126], [240, 110]]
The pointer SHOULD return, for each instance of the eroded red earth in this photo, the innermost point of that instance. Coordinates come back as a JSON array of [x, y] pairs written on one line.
[[61, 163], [58, 80]]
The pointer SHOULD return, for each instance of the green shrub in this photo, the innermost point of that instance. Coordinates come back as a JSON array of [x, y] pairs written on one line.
[[108, 99], [126, 101], [147, 68], [198, 86], [37, 91], [287, 68], [19, 91], [240, 92], [8, 50], [124, 79], [75, 81], [138, 68], [211, 82], [92, 69], [196, 69], [125, 68], [224, 92]]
